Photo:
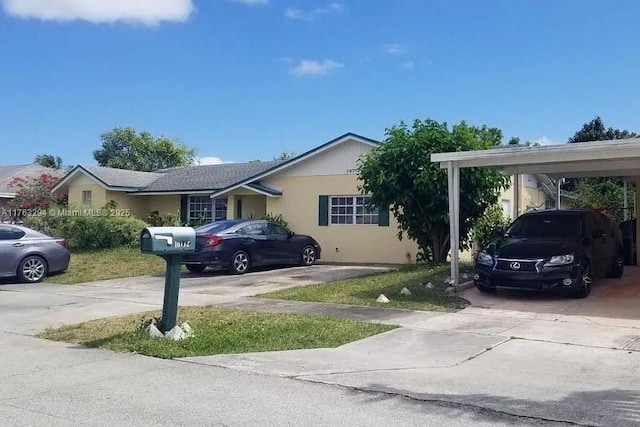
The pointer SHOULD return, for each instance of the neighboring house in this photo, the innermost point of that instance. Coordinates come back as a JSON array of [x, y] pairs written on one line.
[[9, 173], [316, 193], [536, 191]]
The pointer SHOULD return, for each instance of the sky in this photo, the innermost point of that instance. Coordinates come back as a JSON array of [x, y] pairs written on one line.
[[239, 80]]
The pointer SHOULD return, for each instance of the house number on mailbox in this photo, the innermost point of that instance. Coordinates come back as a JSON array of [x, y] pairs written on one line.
[[183, 244]]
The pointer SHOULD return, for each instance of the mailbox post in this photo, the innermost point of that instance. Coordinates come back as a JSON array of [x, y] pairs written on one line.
[[170, 243]]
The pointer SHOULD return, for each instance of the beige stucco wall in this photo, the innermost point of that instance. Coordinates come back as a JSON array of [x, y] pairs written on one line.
[[98, 195], [340, 243], [138, 205], [253, 206], [164, 204]]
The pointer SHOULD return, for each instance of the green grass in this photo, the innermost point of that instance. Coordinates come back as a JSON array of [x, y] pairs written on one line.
[[89, 266], [218, 330], [365, 290]]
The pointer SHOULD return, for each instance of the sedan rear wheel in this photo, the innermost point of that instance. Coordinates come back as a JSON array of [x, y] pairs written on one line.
[[240, 262], [308, 255], [32, 269]]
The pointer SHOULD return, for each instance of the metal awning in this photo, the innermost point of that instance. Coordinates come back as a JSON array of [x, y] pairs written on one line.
[[619, 158], [584, 159]]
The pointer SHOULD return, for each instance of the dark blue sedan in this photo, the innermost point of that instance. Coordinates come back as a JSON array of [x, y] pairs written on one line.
[[239, 245]]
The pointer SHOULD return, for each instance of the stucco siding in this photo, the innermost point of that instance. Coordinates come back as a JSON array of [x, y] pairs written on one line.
[[340, 243], [164, 204], [98, 195], [253, 206], [137, 204], [339, 160]]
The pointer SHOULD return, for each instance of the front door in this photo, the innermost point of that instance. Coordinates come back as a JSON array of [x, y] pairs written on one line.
[[238, 208]]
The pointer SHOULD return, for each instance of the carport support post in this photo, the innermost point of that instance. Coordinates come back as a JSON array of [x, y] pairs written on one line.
[[626, 200], [453, 180], [171, 292]]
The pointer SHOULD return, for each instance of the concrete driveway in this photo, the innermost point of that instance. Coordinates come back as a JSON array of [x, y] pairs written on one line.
[[612, 301], [29, 308]]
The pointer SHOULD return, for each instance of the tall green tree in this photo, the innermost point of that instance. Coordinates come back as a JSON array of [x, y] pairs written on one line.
[[603, 193], [595, 130], [48, 161], [124, 148], [399, 174]]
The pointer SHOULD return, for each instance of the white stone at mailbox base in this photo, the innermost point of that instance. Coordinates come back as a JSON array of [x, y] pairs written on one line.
[[176, 334], [382, 298], [405, 291], [429, 285], [153, 331], [187, 329]]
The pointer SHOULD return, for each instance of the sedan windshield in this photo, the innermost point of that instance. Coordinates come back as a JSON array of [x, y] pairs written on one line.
[[547, 226]]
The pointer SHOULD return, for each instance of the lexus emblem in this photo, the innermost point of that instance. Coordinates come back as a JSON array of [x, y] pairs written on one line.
[[515, 266]]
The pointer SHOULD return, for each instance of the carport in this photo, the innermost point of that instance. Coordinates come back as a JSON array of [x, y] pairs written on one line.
[[619, 158]]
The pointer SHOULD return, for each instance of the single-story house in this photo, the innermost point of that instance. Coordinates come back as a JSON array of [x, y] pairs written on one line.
[[9, 173], [316, 193]]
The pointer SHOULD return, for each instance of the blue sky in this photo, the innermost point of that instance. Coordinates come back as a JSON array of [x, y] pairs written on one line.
[[246, 79]]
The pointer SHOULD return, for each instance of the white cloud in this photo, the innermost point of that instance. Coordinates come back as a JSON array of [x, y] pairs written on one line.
[[147, 12], [332, 8], [394, 49], [211, 161], [252, 2], [408, 65], [308, 67], [543, 140]]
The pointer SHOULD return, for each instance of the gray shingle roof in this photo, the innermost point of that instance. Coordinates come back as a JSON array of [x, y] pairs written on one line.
[[8, 173], [122, 177], [207, 177]]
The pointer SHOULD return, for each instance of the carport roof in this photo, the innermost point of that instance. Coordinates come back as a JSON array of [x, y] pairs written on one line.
[[619, 157]]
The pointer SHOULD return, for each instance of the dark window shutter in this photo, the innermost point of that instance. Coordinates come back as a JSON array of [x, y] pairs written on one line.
[[383, 217], [184, 208], [323, 210]]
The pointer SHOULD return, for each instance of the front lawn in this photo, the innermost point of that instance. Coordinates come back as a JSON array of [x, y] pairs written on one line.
[[365, 290], [218, 330], [89, 266]]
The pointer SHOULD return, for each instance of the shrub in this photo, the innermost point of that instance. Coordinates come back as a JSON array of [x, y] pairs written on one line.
[[91, 232], [277, 219], [491, 226]]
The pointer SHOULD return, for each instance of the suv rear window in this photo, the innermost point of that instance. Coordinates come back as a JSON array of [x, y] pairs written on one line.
[[546, 226]]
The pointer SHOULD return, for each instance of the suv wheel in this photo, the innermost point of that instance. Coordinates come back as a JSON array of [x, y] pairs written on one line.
[[617, 270], [485, 289]]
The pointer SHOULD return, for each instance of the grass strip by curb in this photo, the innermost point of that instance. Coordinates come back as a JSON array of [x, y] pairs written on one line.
[[218, 330]]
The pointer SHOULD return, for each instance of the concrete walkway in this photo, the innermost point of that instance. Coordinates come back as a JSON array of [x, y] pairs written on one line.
[[546, 367]]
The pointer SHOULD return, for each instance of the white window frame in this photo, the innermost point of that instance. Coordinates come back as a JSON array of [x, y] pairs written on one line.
[[352, 210], [87, 197], [211, 208]]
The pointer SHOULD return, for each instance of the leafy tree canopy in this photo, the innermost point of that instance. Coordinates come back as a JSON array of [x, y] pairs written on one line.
[[400, 174], [595, 130], [48, 161], [124, 148], [605, 194]]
